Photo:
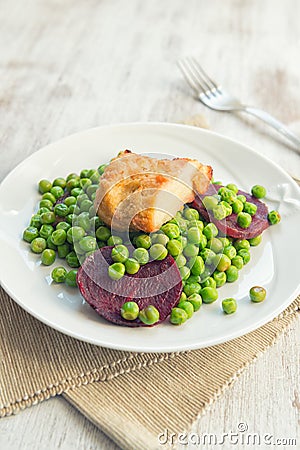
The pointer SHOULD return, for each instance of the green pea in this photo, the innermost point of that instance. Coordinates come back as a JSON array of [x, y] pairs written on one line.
[[72, 259], [48, 218], [215, 245], [116, 271], [114, 240], [238, 262], [237, 206], [258, 191], [208, 256], [230, 251], [63, 226], [195, 300], [61, 210], [103, 233], [183, 225], [203, 242], [219, 212], [46, 204], [143, 241], [250, 208], [85, 183], [209, 282], [191, 288], [59, 237], [149, 315], [84, 173], [244, 219], [210, 231], [30, 233], [191, 214], [95, 223], [71, 200], [184, 272], [227, 207], [220, 278], [94, 176], [225, 241], [91, 189], [120, 253], [255, 241], [241, 198], [141, 255], [206, 274], [241, 244], [130, 311], [229, 305], [158, 252], [274, 217], [63, 250], [71, 175], [49, 196], [245, 255], [222, 262], [83, 221], [73, 183], [45, 186], [58, 274], [101, 169], [81, 198], [71, 278], [46, 231], [257, 294], [227, 195], [132, 266], [198, 266], [209, 294], [86, 205], [57, 191], [75, 192], [187, 307], [183, 241], [178, 316], [88, 243], [171, 230], [210, 202], [48, 257], [232, 274], [160, 238], [38, 245], [43, 210], [194, 235], [174, 248], [75, 234], [183, 297], [61, 182], [50, 243], [191, 250], [232, 187]]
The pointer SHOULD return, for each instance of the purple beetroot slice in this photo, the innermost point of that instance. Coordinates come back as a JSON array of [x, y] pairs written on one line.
[[229, 226], [158, 283]]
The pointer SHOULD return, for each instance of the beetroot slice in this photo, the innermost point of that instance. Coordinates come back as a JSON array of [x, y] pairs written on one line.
[[229, 226], [158, 283]]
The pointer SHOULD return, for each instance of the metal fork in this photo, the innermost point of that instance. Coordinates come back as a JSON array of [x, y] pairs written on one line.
[[215, 97]]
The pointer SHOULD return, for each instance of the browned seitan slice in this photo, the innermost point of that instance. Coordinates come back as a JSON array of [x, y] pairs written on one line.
[[142, 193]]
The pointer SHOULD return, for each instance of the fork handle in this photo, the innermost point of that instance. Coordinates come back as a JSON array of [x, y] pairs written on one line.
[[279, 126]]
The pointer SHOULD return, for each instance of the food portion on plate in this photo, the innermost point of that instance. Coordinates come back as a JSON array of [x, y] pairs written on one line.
[[148, 239]]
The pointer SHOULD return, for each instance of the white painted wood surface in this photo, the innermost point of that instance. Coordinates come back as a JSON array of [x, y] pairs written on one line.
[[66, 66]]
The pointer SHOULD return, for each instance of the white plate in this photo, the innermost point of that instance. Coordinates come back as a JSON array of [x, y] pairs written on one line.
[[274, 264]]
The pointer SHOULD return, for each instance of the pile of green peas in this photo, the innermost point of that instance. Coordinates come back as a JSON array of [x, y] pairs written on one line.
[[65, 223], [227, 201]]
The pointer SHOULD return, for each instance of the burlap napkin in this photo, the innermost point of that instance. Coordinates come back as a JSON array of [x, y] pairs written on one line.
[[131, 397]]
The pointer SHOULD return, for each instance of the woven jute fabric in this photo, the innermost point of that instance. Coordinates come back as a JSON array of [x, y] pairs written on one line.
[[37, 362]]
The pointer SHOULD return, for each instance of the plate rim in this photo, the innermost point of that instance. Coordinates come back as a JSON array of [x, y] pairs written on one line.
[[142, 348]]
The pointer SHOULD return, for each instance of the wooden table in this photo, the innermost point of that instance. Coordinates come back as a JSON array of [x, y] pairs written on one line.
[[66, 66]]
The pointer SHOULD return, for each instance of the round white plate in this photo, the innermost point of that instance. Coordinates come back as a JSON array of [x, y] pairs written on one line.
[[274, 264]]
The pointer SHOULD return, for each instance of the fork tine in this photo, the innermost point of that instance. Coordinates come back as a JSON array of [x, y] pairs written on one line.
[[201, 73], [190, 77]]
